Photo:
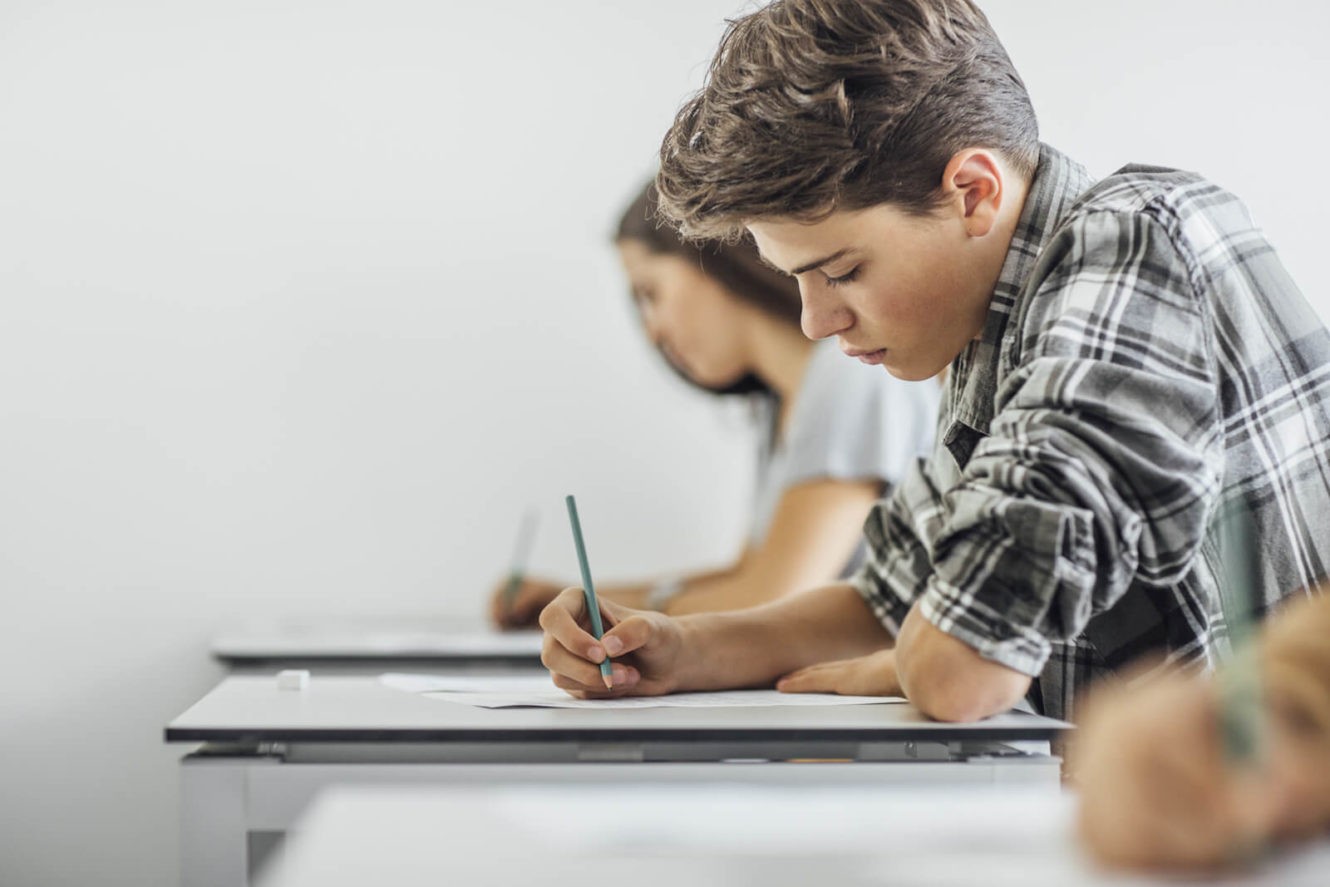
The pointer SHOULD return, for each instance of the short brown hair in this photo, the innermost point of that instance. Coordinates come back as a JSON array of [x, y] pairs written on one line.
[[813, 106]]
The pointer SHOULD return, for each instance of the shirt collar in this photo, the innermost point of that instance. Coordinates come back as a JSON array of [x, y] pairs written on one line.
[[1057, 183]]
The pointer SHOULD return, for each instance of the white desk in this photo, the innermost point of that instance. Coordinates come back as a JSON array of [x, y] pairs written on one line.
[[650, 835], [391, 641], [267, 752]]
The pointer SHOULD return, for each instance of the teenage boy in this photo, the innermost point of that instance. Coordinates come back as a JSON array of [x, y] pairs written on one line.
[[1123, 357]]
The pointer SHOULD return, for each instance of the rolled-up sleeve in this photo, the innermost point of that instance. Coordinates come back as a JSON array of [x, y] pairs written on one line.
[[1102, 462], [899, 557]]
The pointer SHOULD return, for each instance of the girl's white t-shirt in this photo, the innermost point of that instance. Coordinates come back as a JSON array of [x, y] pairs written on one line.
[[850, 421]]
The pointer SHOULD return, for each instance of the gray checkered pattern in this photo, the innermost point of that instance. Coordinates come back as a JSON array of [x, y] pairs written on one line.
[[1145, 362]]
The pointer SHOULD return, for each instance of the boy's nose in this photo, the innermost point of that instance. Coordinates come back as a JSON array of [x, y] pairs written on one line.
[[822, 314]]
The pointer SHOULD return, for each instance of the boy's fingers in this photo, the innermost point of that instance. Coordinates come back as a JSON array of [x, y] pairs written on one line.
[[814, 679], [564, 664], [625, 637], [560, 622], [568, 651], [578, 689], [573, 655], [625, 679]]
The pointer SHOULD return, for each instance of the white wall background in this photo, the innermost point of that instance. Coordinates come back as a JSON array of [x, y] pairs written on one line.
[[302, 303]]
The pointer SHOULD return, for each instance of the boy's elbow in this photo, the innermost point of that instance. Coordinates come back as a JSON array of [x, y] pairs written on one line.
[[948, 680], [959, 698]]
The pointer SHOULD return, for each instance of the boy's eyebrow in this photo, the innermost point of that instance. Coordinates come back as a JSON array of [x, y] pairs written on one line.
[[825, 260], [802, 268]]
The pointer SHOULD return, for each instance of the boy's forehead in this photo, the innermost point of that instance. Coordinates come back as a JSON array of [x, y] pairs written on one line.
[[794, 245]]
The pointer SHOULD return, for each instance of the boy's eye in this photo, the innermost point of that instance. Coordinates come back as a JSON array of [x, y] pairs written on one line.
[[843, 278]]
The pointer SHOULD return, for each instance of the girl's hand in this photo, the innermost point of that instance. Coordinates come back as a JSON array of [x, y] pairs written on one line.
[[532, 596]]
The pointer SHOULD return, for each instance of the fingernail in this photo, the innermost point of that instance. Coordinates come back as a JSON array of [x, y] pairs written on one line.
[[595, 654], [618, 676], [613, 646]]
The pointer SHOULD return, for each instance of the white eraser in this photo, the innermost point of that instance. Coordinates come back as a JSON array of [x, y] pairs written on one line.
[[292, 679]]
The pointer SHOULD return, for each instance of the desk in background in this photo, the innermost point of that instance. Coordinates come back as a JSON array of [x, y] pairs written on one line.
[[386, 642]]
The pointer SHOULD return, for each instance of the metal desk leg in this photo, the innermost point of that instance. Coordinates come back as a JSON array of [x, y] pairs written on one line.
[[213, 832]]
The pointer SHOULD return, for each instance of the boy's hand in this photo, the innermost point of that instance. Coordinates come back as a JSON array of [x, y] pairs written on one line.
[[532, 596], [871, 675], [645, 646]]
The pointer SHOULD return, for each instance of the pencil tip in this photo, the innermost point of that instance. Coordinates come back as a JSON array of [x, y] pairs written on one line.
[[609, 684]]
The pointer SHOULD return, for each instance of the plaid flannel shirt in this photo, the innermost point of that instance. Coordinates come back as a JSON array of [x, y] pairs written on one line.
[[1145, 361]]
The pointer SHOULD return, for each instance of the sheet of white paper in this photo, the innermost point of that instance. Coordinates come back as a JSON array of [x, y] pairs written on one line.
[[536, 691]]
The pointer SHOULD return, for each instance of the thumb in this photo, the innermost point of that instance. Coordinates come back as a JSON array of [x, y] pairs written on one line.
[[633, 633]]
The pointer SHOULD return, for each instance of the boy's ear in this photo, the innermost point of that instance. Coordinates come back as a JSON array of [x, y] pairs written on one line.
[[976, 181]]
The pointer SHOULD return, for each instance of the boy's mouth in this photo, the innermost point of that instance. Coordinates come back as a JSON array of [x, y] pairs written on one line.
[[872, 358]]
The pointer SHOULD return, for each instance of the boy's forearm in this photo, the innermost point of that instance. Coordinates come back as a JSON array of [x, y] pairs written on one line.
[[751, 648]]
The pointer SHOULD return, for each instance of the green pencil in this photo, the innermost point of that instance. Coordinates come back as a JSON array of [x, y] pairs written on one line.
[[1241, 722], [522, 551], [1240, 680], [588, 590]]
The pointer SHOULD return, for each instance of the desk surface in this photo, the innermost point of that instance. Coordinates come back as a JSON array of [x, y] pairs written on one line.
[[374, 638], [251, 708], [648, 835]]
